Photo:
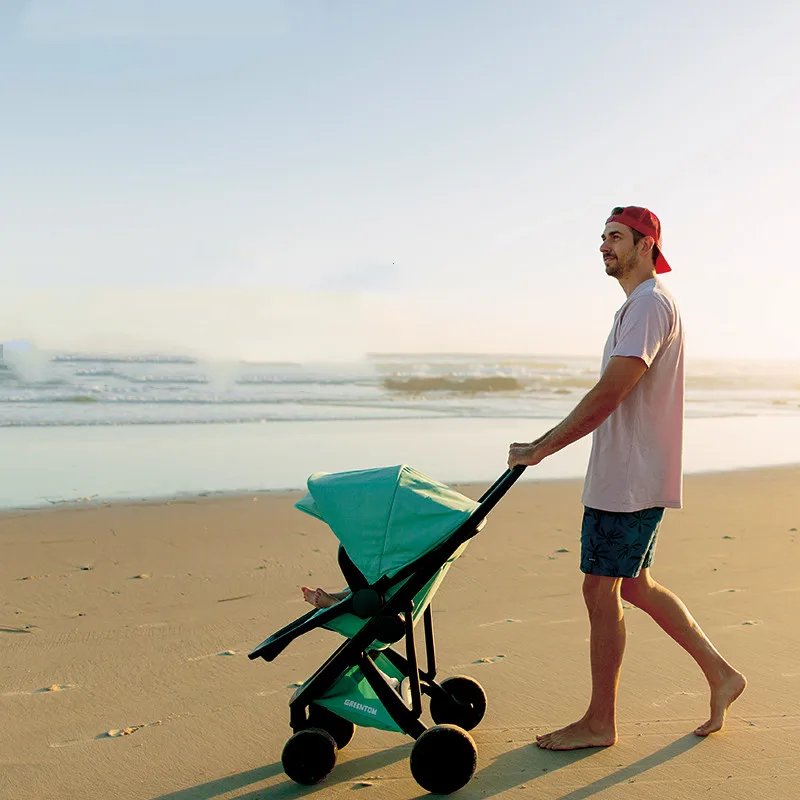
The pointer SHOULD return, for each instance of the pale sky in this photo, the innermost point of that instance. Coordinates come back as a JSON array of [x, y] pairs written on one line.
[[314, 178]]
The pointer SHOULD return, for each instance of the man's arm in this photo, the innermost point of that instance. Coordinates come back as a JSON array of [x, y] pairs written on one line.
[[616, 382]]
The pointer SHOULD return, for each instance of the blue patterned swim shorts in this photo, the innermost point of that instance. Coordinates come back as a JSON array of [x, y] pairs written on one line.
[[619, 544]]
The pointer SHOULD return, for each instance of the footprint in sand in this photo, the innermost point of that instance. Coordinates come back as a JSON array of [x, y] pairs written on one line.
[[55, 687], [744, 623], [115, 733], [489, 659], [214, 655], [666, 700], [112, 733], [15, 629], [672, 697]]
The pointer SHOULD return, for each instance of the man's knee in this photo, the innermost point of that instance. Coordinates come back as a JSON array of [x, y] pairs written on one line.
[[599, 590], [636, 590]]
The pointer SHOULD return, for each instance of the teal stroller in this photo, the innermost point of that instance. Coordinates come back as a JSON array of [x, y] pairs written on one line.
[[399, 532]]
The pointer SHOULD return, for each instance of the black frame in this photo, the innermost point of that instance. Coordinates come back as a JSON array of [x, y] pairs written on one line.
[[382, 618]]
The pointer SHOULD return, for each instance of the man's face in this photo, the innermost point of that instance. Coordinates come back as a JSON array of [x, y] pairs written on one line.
[[618, 249]]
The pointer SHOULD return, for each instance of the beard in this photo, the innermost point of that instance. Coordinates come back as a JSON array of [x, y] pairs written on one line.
[[619, 266]]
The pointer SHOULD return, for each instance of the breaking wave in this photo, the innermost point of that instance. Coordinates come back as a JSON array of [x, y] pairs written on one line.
[[456, 385]]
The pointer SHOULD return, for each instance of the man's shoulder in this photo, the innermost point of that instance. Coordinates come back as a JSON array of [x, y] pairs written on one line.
[[653, 295]]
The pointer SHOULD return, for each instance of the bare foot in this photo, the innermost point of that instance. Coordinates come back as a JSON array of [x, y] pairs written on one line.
[[721, 698], [319, 598], [580, 734]]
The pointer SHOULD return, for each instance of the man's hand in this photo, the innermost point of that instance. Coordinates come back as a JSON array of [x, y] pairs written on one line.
[[528, 454]]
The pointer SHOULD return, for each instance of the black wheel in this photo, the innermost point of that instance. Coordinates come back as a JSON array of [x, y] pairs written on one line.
[[341, 729], [464, 706], [443, 759], [309, 756]]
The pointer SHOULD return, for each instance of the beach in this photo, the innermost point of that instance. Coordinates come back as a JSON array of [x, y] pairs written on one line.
[[125, 628], [251, 248]]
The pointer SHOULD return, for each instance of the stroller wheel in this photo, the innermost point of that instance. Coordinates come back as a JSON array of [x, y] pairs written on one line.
[[309, 756], [464, 706], [443, 759], [342, 730]]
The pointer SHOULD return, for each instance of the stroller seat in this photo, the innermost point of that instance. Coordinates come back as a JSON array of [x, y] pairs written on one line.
[[399, 532]]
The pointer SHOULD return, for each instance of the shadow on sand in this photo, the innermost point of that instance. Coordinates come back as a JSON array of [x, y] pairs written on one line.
[[661, 756], [345, 772], [510, 770], [527, 764]]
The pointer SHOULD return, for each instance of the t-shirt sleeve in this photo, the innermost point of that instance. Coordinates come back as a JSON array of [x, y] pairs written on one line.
[[645, 325]]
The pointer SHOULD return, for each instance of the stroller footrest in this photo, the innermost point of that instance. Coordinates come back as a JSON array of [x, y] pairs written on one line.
[[270, 648]]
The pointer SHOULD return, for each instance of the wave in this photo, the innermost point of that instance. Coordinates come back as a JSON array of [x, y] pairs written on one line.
[[497, 383], [96, 372], [82, 358], [184, 380], [78, 398]]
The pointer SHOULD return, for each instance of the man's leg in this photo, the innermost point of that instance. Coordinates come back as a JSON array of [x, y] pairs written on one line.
[[598, 726], [725, 683]]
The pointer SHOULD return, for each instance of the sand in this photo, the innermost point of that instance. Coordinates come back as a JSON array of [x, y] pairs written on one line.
[[124, 632]]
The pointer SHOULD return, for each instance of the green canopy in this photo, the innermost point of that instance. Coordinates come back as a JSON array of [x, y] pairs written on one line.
[[387, 516]]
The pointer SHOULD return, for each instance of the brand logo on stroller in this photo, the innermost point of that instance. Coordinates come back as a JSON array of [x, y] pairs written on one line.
[[361, 707]]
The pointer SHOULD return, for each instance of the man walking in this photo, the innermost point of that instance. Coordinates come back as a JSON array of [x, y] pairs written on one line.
[[635, 412]]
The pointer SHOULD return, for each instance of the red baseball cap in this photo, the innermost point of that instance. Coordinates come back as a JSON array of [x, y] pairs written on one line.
[[645, 222]]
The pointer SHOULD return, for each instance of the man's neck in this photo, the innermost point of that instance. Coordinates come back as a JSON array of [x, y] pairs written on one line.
[[635, 278]]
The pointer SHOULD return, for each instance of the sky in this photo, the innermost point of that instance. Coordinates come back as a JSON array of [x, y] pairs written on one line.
[[322, 178]]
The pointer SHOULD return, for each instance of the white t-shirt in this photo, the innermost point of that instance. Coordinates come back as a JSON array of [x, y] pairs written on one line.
[[637, 453]]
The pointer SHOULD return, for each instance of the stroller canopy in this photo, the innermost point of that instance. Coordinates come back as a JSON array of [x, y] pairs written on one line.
[[385, 517]]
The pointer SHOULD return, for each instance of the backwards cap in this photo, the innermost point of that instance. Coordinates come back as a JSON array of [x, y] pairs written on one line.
[[645, 222]]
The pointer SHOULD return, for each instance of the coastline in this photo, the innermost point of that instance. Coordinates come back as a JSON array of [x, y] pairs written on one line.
[[292, 494], [54, 466]]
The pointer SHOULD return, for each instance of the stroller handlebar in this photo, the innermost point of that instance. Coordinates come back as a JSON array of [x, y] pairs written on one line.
[[506, 480], [492, 496]]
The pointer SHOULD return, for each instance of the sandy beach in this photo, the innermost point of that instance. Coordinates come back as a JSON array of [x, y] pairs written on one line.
[[125, 628]]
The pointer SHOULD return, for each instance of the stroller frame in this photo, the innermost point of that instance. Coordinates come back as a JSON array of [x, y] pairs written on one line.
[[387, 621]]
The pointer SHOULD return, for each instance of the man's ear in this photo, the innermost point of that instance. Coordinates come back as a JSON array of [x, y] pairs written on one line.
[[647, 244]]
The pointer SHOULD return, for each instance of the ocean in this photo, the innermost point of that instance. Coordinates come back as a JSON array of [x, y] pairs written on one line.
[[85, 425], [60, 389]]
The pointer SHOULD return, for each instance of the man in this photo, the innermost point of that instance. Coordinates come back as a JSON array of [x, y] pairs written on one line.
[[635, 472]]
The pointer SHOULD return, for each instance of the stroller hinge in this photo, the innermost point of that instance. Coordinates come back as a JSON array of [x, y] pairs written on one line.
[[407, 719]]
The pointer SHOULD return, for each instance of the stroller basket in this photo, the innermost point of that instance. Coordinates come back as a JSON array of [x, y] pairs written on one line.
[[399, 532]]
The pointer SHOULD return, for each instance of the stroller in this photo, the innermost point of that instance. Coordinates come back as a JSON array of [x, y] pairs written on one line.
[[399, 532]]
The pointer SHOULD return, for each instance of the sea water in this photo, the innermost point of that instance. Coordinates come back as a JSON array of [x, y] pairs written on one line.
[[82, 425]]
